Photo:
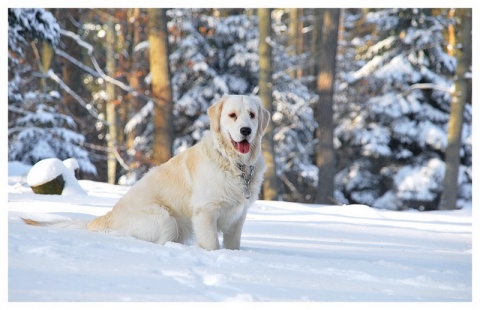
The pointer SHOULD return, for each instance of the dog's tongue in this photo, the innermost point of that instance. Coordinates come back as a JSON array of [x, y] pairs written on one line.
[[243, 146]]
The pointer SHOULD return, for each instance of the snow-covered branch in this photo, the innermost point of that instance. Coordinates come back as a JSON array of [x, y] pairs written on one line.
[[139, 117], [79, 99], [79, 40], [15, 109], [77, 63], [427, 86], [120, 160], [108, 150], [99, 70]]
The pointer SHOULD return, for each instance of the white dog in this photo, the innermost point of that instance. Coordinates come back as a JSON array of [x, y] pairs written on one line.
[[202, 191]]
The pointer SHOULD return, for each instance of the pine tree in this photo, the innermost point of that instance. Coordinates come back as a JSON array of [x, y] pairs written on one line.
[[37, 128], [393, 131], [25, 25], [45, 133]]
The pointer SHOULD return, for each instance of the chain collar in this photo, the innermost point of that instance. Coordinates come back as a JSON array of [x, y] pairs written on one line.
[[246, 179]]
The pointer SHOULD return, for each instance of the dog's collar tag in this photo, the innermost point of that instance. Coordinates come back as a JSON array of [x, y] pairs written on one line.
[[246, 180]]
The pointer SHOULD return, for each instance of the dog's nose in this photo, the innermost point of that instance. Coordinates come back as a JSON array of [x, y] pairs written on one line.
[[245, 131]]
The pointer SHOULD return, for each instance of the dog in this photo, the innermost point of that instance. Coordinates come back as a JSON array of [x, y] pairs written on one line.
[[201, 192]]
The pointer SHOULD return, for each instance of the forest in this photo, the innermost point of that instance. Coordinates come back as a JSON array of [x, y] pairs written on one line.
[[368, 106]]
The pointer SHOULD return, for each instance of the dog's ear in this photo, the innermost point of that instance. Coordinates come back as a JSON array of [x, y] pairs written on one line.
[[263, 117], [214, 112]]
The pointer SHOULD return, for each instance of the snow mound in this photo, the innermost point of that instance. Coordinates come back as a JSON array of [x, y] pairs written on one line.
[[16, 168]]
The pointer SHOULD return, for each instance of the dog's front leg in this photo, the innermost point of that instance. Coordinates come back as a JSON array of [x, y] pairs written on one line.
[[205, 227], [231, 237]]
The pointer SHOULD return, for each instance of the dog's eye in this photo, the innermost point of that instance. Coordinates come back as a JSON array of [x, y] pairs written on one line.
[[232, 115], [252, 115]]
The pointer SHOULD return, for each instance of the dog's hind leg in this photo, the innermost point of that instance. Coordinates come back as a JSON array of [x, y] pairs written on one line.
[[153, 224]]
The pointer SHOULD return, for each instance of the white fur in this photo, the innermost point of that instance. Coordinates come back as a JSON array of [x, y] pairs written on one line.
[[198, 193]]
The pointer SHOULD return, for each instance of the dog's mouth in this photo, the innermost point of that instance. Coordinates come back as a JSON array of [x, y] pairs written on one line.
[[242, 147]]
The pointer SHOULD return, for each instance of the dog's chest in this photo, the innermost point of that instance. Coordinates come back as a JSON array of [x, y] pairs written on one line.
[[242, 184]]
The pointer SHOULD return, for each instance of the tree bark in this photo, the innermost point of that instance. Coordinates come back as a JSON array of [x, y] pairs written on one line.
[[462, 95], [315, 43], [265, 89], [133, 75], [161, 88], [110, 105], [47, 55], [295, 37], [451, 34], [325, 160], [299, 43]]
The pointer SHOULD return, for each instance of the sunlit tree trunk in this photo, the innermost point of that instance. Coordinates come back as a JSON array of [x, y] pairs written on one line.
[[451, 34], [110, 105], [47, 54], [461, 96], [161, 89], [265, 89], [133, 75], [295, 36], [327, 44]]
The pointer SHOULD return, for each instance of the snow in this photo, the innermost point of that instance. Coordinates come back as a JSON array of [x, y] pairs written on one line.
[[141, 46], [139, 117], [71, 163], [290, 252], [419, 182]]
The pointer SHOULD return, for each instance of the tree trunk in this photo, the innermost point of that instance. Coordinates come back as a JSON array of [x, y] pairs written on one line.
[[265, 89], [133, 75], [451, 33], [459, 99], [327, 43], [294, 36], [161, 89], [315, 43], [299, 43], [47, 55], [110, 105]]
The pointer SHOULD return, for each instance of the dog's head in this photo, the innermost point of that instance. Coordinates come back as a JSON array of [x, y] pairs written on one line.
[[239, 121]]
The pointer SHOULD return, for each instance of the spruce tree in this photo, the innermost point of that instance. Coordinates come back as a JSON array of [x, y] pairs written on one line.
[[37, 128], [392, 131]]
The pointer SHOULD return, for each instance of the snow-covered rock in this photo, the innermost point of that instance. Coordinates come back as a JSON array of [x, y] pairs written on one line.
[[62, 175]]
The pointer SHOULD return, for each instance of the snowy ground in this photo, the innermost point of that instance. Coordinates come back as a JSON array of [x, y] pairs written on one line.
[[290, 252]]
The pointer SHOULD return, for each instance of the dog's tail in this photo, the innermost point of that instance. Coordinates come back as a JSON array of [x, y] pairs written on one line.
[[75, 224]]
